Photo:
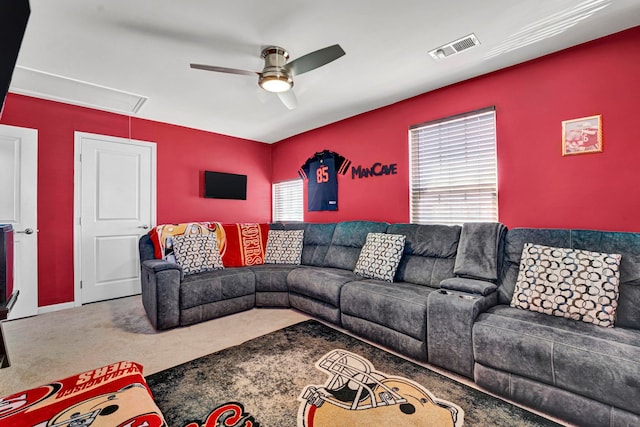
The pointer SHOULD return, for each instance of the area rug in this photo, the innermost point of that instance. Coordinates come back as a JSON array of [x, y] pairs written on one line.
[[311, 375]]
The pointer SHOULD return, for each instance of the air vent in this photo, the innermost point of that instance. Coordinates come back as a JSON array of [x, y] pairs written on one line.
[[454, 47]]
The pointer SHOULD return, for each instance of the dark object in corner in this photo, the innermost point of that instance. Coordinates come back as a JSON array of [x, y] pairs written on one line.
[[6, 265], [8, 295], [14, 15]]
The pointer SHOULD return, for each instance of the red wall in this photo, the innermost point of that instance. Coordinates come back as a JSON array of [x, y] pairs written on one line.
[[182, 156], [537, 186]]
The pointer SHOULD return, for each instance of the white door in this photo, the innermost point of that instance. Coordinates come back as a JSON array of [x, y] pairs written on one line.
[[116, 206], [18, 207]]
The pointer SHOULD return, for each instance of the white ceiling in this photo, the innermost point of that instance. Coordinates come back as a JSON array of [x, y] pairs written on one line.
[[145, 47]]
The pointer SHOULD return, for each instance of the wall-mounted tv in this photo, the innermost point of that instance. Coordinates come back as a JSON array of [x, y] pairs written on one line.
[[220, 185]]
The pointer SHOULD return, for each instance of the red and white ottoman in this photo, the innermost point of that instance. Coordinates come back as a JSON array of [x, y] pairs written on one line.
[[114, 395]]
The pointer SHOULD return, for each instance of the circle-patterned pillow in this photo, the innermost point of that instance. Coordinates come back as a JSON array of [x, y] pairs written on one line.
[[571, 283], [380, 256], [284, 247], [196, 253]]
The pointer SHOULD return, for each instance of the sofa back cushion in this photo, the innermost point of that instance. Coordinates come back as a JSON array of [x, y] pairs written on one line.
[[146, 248], [429, 252], [347, 241], [317, 238], [513, 245], [480, 250], [626, 244]]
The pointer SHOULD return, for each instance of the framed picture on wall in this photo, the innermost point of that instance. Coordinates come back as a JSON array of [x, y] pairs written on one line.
[[580, 136]]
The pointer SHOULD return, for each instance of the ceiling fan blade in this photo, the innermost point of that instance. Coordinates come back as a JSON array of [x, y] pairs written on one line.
[[315, 59], [224, 70], [289, 99]]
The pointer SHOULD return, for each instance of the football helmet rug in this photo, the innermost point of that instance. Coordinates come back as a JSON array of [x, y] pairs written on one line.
[[357, 395]]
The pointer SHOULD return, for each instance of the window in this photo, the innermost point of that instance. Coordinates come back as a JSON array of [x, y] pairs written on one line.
[[287, 201], [453, 169]]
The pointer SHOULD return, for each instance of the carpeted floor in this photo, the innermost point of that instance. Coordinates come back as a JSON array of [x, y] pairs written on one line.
[[59, 344], [267, 375]]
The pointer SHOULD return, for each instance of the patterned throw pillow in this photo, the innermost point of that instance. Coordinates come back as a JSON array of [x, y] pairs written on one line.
[[196, 253], [571, 283], [380, 256], [284, 247]]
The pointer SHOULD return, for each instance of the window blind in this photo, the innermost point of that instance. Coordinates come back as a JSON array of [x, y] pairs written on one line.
[[454, 169], [287, 201]]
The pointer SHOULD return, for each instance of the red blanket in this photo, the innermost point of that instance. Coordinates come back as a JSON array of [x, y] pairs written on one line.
[[239, 244], [114, 395], [244, 244]]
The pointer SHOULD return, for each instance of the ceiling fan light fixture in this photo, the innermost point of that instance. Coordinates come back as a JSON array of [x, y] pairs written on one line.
[[275, 82], [277, 75]]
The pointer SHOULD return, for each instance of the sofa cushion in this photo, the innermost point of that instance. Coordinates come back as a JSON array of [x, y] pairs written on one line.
[[320, 283], [217, 285], [197, 253], [470, 286], [571, 283], [429, 252], [284, 247], [317, 238], [399, 306], [272, 277], [626, 244], [147, 250], [480, 250], [347, 241], [598, 363], [380, 256]]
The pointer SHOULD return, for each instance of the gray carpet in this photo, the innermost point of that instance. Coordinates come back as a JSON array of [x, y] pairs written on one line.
[[267, 374]]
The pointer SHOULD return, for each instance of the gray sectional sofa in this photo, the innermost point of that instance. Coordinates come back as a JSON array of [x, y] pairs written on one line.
[[448, 305], [577, 371]]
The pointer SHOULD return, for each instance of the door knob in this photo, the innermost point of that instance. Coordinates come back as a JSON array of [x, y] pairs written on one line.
[[145, 226], [26, 231]]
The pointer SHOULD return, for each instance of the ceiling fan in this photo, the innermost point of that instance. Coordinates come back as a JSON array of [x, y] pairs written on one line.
[[277, 75]]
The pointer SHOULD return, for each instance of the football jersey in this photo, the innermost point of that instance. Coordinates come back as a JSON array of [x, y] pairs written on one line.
[[321, 172]]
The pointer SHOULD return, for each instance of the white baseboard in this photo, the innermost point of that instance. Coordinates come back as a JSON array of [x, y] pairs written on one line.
[[55, 307]]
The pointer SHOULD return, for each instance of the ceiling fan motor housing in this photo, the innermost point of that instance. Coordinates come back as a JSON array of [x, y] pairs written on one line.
[[275, 76]]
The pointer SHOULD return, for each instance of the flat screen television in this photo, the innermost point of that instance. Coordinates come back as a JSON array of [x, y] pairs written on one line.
[[220, 185], [14, 15]]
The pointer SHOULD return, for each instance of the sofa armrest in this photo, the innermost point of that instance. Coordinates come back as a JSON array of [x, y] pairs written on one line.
[[160, 282], [158, 265], [471, 286], [450, 318]]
